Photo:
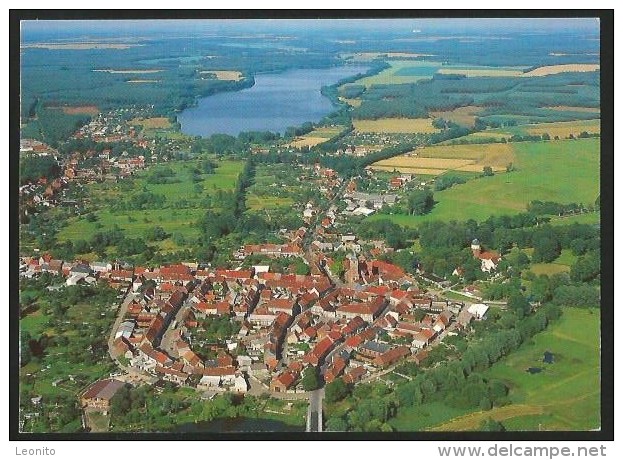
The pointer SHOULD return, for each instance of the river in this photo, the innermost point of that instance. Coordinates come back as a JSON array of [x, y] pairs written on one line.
[[276, 102]]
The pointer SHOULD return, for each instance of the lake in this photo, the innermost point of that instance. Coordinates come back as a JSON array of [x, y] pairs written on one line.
[[238, 424], [276, 102]]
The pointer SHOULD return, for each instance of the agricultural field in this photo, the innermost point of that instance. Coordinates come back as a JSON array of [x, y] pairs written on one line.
[[562, 129], [436, 160], [564, 171], [78, 110], [401, 72], [231, 75], [395, 125], [315, 137], [565, 395], [464, 116], [151, 123], [477, 71], [554, 69], [351, 102], [185, 202]]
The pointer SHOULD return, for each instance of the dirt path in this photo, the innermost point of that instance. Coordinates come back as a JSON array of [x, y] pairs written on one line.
[[473, 420]]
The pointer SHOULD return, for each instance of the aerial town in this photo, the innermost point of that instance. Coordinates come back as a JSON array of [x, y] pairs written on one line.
[[418, 249]]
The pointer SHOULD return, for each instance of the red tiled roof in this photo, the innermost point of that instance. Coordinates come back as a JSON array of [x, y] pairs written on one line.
[[219, 371]]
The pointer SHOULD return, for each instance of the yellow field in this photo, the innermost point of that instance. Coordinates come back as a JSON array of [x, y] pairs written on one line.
[[151, 123], [307, 142], [553, 69], [317, 136], [78, 110], [492, 72], [233, 75], [351, 102], [465, 116], [564, 128], [436, 160], [395, 125], [567, 108], [128, 71], [408, 170], [471, 421]]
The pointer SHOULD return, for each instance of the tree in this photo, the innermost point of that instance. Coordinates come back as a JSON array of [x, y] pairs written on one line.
[[420, 202], [336, 391], [518, 303], [487, 171], [546, 247], [336, 423], [311, 379], [25, 354], [121, 402], [491, 425], [586, 268]]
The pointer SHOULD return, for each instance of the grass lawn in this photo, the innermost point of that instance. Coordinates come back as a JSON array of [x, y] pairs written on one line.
[[98, 422], [35, 323], [424, 416], [565, 395], [561, 171], [591, 218], [561, 264]]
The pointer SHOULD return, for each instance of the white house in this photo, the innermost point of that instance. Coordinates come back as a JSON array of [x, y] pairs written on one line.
[[240, 384], [479, 310]]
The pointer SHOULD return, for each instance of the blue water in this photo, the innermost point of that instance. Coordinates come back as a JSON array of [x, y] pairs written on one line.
[[276, 102]]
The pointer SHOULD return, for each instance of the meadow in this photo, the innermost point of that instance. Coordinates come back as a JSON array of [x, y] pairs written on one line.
[[564, 396], [184, 203], [564, 171], [561, 265]]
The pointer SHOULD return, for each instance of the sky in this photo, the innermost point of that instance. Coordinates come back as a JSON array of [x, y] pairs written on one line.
[[33, 28]]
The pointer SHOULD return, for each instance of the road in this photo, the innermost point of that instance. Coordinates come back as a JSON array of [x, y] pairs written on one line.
[[123, 308], [314, 411]]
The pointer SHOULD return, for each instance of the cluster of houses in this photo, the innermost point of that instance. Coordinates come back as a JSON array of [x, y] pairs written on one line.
[[285, 322], [364, 204]]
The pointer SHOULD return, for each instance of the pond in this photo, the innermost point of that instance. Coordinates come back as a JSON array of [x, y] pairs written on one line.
[[276, 102]]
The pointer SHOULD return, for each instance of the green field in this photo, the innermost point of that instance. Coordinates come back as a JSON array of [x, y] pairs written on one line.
[[402, 72], [591, 218], [562, 171], [424, 416], [560, 129], [183, 206], [566, 394]]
